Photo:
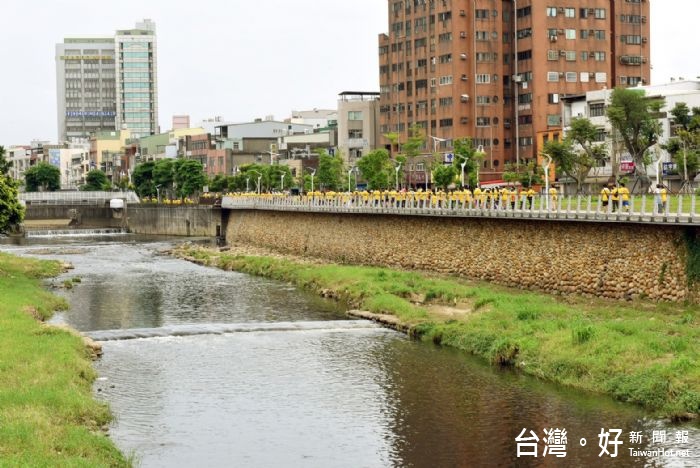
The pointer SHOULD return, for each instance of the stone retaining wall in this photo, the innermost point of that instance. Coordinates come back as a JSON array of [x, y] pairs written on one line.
[[621, 261], [174, 220]]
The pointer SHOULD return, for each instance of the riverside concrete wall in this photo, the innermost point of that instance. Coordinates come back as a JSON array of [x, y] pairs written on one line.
[[90, 215], [199, 221], [620, 261]]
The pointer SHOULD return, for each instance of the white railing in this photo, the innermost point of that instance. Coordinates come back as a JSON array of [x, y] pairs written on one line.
[[76, 198], [680, 209]]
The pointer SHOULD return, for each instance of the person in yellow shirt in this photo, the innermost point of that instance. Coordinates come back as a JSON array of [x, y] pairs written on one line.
[[477, 197], [604, 197], [553, 198], [530, 194], [624, 194], [615, 198]]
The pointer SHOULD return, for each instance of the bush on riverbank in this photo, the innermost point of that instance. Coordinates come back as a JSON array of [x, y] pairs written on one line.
[[647, 354], [48, 416]]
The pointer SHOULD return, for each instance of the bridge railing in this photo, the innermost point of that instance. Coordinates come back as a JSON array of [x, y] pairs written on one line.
[[76, 198], [680, 209]]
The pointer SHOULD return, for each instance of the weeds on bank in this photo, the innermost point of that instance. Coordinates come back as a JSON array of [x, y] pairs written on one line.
[[48, 415], [647, 354]]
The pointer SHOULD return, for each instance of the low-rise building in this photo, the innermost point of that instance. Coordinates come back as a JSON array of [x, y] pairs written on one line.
[[358, 124]]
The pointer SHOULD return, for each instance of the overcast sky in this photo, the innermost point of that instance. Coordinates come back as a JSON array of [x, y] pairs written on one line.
[[242, 59]]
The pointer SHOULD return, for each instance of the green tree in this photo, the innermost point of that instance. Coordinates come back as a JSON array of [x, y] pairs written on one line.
[[164, 175], [578, 153], [527, 174], [684, 148], [5, 165], [11, 210], [465, 152], [635, 118], [96, 180], [143, 179], [376, 169], [329, 174], [218, 183], [189, 177], [42, 177], [444, 175]]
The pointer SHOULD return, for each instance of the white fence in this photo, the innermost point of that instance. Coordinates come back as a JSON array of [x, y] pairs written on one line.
[[76, 198], [678, 209]]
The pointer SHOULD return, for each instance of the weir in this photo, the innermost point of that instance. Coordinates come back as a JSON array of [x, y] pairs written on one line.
[[74, 232]]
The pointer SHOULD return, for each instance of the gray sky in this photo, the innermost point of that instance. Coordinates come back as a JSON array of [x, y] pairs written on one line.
[[241, 59]]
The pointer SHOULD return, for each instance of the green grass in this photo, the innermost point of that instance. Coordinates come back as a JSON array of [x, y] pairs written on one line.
[[47, 414], [646, 354]]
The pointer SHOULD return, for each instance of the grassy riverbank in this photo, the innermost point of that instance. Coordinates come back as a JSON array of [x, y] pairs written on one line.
[[48, 416], [647, 354]]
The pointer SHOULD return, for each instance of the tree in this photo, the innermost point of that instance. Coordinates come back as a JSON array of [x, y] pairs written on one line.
[[164, 175], [143, 179], [465, 152], [5, 165], [578, 152], [96, 180], [330, 171], [11, 210], [189, 177], [42, 177], [376, 169], [684, 148], [527, 174], [444, 175], [218, 183], [635, 118]]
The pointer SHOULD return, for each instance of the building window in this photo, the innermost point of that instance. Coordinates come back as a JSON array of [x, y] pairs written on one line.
[[570, 12], [445, 122], [584, 55], [483, 100], [483, 78], [553, 120], [483, 121], [525, 55], [600, 34], [525, 98], [525, 141], [571, 77], [552, 11], [446, 80], [354, 115], [570, 55], [553, 98], [552, 55], [570, 33], [552, 76], [600, 13], [596, 110], [631, 39], [599, 56], [584, 34]]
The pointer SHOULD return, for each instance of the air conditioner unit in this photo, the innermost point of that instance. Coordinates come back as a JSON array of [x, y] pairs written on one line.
[[463, 56], [562, 53], [644, 19], [464, 98], [561, 9], [463, 34], [644, 60], [462, 13], [591, 11], [644, 40], [464, 120], [552, 38], [561, 74], [560, 31], [591, 75], [464, 78], [591, 32]]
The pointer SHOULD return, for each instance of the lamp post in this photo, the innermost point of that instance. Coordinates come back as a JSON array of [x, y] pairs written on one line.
[[397, 169], [352, 169], [464, 163], [282, 183], [313, 173], [247, 184], [545, 166], [259, 178], [480, 150], [437, 140], [158, 192]]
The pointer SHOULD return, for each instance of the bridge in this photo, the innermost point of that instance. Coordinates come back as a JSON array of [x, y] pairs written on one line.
[[679, 210]]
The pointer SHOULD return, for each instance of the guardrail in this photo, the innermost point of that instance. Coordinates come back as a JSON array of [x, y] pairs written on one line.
[[76, 198], [642, 209]]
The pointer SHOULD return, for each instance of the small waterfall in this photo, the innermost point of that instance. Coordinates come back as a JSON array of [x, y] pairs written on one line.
[[74, 232], [224, 328]]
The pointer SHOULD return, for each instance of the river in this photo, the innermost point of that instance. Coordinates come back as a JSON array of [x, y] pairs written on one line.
[[234, 370]]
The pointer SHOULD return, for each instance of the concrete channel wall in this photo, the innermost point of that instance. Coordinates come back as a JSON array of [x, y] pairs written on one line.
[[197, 221], [621, 261], [89, 215]]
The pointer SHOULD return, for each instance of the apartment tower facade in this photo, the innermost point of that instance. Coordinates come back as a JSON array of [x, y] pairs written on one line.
[[105, 82], [494, 70]]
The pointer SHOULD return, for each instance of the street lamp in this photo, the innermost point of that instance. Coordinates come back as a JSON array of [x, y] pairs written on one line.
[[352, 169], [282, 183], [464, 163], [247, 184], [480, 150], [545, 166], [398, 168], [158, 192], [259, 178], [437, 140], [313, 173]]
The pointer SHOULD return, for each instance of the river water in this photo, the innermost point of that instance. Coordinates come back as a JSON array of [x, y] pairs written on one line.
[[233, 370]]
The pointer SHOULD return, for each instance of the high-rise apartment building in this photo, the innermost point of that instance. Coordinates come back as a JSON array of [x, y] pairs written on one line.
[[494, 70], [106, 82], [137, 91], [85, 91]]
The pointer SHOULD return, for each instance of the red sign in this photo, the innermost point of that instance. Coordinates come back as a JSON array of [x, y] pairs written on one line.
[[627, 166]]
